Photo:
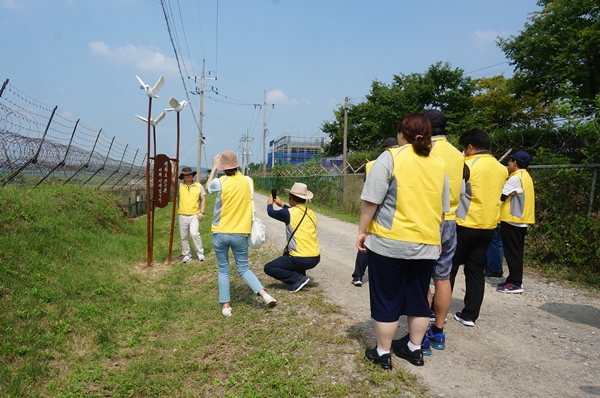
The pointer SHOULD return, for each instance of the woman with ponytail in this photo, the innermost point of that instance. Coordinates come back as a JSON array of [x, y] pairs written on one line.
[[404, 198]]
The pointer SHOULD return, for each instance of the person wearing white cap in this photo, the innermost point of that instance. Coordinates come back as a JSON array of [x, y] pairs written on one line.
[[302, 250], [231, 225]]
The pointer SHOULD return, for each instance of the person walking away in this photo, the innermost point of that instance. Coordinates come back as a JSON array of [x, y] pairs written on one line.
[[361, 262], [231, 225], [192, 202], [477, 216], [517, 212], [303, 252], [455, 163], [404, 200]]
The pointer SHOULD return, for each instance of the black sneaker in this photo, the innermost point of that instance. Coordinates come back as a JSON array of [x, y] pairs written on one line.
[[467, 322], [357, 281], [425, 344], [414, 357], [385, 360]]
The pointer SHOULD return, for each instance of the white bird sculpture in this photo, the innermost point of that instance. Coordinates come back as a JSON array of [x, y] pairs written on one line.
[[151, 92], [153, 122], [176, 105]]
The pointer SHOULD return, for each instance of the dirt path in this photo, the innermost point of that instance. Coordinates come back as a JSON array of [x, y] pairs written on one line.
[[543, 343]]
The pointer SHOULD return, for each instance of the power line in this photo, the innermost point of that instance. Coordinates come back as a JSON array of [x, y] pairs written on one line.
[[487, 67]]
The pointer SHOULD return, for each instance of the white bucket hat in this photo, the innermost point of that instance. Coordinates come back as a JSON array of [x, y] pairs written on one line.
[[300, 190]]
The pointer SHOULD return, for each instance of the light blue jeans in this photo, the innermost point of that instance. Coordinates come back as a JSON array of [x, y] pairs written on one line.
[[239, 247]]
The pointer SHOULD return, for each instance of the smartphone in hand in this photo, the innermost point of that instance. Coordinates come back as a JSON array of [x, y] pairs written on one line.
[[274, 193]]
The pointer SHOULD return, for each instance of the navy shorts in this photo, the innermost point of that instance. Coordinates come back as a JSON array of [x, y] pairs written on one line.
[[398, 287]]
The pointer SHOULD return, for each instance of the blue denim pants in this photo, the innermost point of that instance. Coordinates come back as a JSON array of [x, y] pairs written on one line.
[[239, 247], [495, 253]]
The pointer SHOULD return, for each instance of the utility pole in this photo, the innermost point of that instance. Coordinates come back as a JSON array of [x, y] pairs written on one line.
[[264, 105], [345, 150], [200, 135], [245, 151]]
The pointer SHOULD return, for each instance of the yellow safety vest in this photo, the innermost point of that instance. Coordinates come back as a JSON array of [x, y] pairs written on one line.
[[455, 163], [233, 206], [188, 198], [479, 208], [520, 207], [412, 209], [304, 242]]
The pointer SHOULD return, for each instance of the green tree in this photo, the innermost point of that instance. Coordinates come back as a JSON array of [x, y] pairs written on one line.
[[372, 121], [559, 43], [498, 107]]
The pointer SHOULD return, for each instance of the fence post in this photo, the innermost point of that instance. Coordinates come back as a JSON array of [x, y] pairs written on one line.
[[118, 167], [62, 162], [35, 157], [103, 164], [129, 172], [593, 191], [86, 164], [137, 175], [3, 87]]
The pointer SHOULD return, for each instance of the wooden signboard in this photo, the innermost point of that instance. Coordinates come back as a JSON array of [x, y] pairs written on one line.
[[162, 180]]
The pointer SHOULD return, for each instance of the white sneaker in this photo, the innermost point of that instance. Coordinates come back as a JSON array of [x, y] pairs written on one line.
[[201, 257], [187, 259], [269, 300], [226, 312]]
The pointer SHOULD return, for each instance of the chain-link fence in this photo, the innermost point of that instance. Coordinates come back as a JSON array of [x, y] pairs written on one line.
[[567, 229]]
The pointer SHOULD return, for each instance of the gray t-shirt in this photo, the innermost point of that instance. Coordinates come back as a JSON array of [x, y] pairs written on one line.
[[375, 190]]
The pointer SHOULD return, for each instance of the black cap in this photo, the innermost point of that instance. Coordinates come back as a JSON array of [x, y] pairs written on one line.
[[521, 157], [390, 142], [436, 118]]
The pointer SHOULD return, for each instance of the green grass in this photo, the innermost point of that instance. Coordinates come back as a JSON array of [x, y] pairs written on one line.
[[82, 315]]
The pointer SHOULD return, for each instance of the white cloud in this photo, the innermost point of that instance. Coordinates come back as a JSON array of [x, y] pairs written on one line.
[[143, 58], [11, 5], [278, 97], [484, 39]]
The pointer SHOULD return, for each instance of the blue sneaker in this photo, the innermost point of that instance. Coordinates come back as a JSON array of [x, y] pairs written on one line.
[[425, 344], [437, 340]]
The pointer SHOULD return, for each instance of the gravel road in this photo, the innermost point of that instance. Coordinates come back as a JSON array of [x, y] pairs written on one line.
[[542, 343]]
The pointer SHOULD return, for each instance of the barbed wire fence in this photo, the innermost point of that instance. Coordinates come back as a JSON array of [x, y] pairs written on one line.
[[39, 144]]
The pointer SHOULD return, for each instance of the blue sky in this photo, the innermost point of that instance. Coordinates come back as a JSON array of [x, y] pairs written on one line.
[[307, 55]]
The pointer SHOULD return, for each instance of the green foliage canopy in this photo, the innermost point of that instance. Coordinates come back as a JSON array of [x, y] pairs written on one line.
[[372, 121], [559, 43]]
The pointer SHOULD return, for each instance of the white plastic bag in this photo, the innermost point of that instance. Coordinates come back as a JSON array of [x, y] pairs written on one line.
[[258, 235]]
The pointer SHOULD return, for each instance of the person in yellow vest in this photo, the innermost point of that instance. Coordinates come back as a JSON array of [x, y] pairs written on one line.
[[404, 200], [477, 216], [516, 214], [455, 163], [301, 233], [231, 225], [361, 262], [192, 202]]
